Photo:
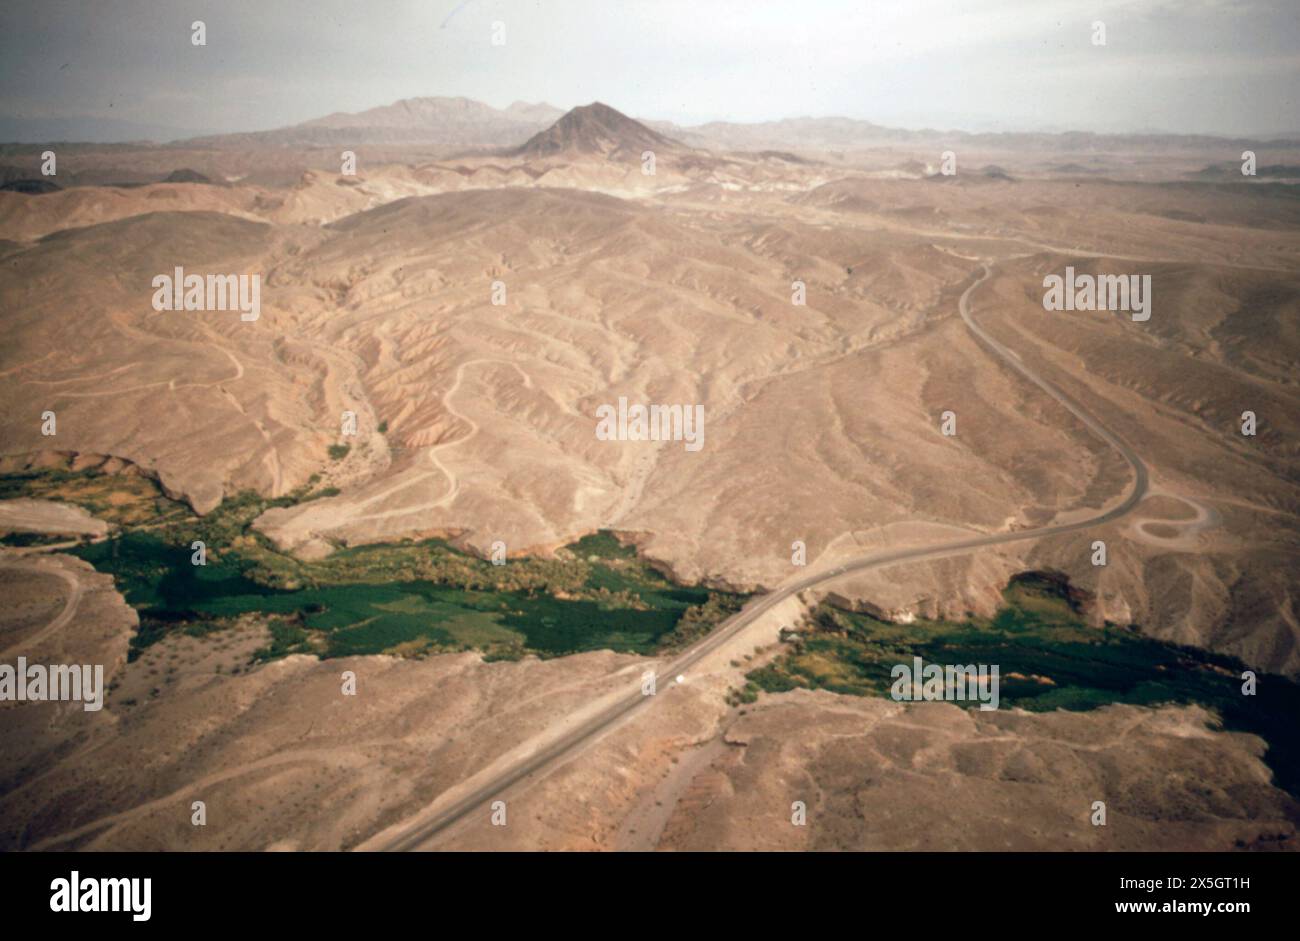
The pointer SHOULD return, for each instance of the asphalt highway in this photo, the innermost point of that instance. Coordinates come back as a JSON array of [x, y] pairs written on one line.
[[568, 743]]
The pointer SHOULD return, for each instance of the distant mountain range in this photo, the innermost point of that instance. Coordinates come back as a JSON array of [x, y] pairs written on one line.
[[837, 133], [445, 122], [537, 129], [462, 124]]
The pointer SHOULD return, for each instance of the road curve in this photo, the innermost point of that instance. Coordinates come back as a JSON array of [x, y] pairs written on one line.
[[423, 831]]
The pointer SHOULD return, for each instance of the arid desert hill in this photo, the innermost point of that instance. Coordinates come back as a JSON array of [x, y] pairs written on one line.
[[283, 762], [596, 129], [488, 281], [481, 309]]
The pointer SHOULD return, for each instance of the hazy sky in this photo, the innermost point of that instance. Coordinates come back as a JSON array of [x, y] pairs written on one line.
[[1217, 66]]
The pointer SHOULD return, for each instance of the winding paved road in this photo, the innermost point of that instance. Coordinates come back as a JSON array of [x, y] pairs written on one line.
[[421, 831]]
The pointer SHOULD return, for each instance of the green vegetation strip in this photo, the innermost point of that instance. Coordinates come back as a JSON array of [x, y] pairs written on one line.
[[1048, 658], [408, 598]]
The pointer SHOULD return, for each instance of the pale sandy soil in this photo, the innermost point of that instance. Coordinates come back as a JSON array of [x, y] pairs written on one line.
[[48, 516], [822, 426], [878, 775], [678, 290], [283, 760]]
